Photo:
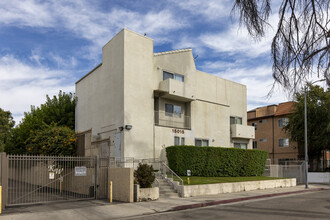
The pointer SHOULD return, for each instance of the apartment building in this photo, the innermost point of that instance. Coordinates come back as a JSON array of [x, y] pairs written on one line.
[[143, 101], [269, 134]]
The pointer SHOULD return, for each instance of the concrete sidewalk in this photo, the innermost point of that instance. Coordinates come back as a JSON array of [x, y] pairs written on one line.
[[95, 209]]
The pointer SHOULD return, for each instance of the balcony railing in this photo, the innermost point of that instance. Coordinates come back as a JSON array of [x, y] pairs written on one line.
[[174, 120]]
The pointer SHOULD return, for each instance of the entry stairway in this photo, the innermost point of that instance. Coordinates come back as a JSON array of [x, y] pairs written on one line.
[[165, 190]]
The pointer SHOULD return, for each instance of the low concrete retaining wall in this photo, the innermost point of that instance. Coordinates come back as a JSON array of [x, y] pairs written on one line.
[[148, 194], [211, 189], [316, 177]]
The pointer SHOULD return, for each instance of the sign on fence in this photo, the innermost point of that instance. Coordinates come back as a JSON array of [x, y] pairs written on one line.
[[80, 171]]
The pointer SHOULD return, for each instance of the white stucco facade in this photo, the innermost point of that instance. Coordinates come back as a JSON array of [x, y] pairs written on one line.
[[128, 89]]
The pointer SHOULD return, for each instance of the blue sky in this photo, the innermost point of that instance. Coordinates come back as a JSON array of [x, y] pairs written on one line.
[[46, 46]]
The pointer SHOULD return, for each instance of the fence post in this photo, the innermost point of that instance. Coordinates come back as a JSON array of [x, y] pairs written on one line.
[[4, 179], [96, 171]]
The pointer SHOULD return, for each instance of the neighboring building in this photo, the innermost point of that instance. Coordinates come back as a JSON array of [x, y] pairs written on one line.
[[145, 101], [269, 134]]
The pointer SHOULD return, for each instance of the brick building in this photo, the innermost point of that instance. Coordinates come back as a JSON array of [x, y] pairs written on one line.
[[269, 134]]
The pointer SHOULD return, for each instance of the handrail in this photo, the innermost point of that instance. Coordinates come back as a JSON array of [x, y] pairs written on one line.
[[157, 182], [172, 173]]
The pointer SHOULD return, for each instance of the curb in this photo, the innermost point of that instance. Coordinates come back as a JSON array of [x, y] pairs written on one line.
[[205, 204]]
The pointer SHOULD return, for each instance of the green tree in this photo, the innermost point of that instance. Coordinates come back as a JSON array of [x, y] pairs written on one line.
[[318, 121], [301, 42], [51, 140], [59, 110], [6, 125]]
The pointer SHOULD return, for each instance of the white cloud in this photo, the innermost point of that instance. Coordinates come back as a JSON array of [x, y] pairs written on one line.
[[22, 84], [26, 13], [86, 21], [235, 41], [210, 10]]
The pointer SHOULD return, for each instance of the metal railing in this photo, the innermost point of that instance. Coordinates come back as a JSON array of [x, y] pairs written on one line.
[[167, 172], [175, 120]]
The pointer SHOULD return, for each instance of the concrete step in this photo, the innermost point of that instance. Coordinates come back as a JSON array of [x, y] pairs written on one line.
[[163, 191]]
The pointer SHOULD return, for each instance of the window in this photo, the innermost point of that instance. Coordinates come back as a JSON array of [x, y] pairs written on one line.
[[285, 161], [201, 142], [178, 77], [235, 120], [263, 140], [168, 110], [255, 144], [255, 125], [177, 141], [177, 110], [283, 142], [283, 122], [167, 75], [182, 141], [240, 145], [173, 110]]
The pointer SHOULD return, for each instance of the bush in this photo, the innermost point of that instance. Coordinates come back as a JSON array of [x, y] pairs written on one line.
[[144, 175], [216, 161], [52, 140]]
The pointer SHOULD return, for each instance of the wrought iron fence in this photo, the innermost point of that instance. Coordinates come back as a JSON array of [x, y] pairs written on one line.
[[39, 179]]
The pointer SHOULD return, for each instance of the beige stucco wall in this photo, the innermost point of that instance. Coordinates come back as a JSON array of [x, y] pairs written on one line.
[[138, 92], [121, 92], [100, 104], [122, 184]]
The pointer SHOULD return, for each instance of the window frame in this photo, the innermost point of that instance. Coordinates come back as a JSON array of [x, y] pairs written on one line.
[[173, 112], [236, 118], [175, 76], [241, 145], [282, 122], [202, 141], [285, 142], [254, 144]]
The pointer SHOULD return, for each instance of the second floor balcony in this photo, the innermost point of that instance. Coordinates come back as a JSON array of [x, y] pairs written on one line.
[[242, 131], [173, 120]]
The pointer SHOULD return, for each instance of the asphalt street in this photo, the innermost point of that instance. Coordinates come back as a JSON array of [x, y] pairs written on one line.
[[313, 205]]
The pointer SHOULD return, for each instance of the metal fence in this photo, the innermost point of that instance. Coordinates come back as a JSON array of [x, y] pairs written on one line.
[[40, 179], [287, 171]]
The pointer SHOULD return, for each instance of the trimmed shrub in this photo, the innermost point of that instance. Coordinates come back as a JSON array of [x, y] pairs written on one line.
[[144, 175], [216, 161]]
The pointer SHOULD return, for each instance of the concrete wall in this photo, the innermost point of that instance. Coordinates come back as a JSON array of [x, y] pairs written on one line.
[[319, 177], [212, 189], [100, 103], [122, 184], [148, 194], [138, 95]]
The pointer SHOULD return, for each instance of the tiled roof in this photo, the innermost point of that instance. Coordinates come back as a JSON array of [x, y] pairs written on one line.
[[172, 51], [284, 108]]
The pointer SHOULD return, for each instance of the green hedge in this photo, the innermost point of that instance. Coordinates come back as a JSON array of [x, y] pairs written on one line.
[[216, 161]]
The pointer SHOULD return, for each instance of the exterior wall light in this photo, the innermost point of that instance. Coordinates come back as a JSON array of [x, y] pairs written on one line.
[[128, 127], [121, 128]]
